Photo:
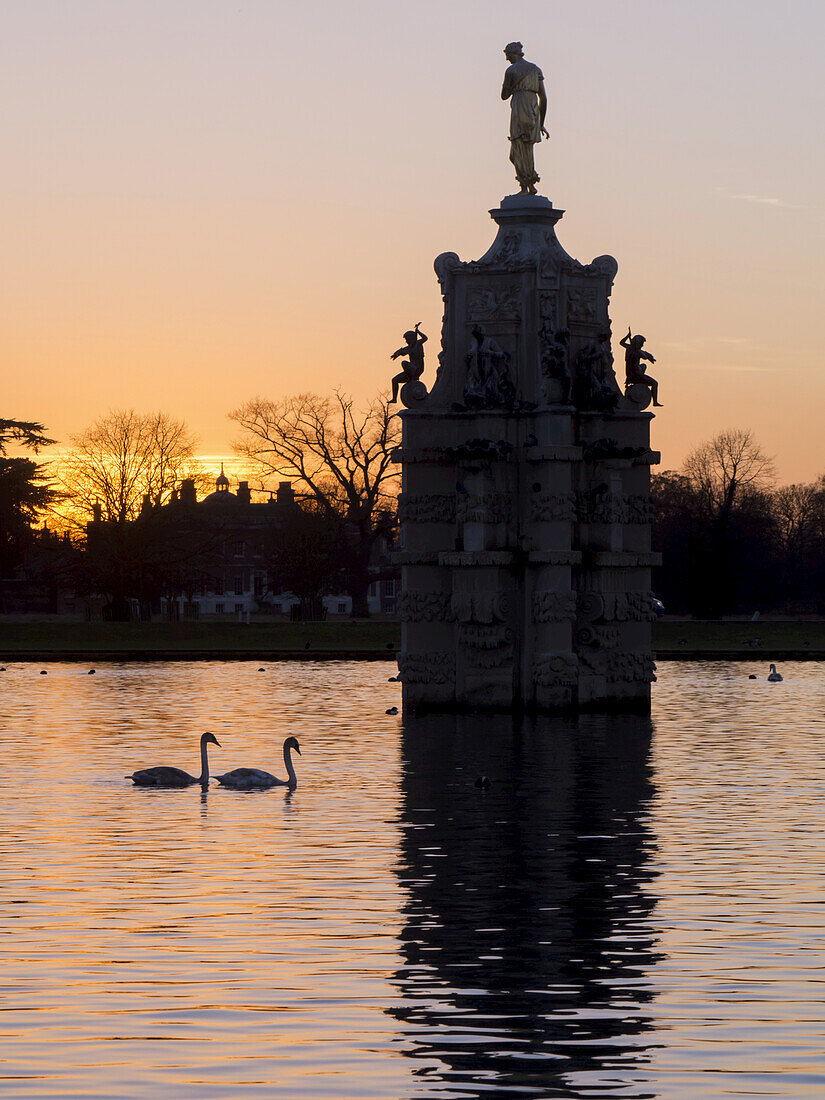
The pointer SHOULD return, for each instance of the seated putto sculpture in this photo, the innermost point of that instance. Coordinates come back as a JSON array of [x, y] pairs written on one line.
[[413, 367], [634, 371]]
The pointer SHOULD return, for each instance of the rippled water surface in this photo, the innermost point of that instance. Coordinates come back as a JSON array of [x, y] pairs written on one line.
[[634, 908]]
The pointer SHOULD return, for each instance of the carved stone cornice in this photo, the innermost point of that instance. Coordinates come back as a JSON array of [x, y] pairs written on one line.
[[558, 453], [414, 557], [624, 559], [476, 557], [554, 557]]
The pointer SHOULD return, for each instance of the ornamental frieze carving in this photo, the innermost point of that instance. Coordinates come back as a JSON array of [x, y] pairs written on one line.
[[479, 606], [598, 637], [485, 635], [617, 667], [620, 607], [427, 668], [493, 507], [426, 508], [630, 607], [553, 607], [555, 670], [552, 507], [489, 646], [494, 303], [638, 509], [423, 607], [599, 506]]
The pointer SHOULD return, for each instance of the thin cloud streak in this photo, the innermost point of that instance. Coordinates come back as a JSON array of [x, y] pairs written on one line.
[[766, 200]]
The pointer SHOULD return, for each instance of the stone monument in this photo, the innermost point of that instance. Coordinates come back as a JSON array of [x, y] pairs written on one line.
[[525, 511]]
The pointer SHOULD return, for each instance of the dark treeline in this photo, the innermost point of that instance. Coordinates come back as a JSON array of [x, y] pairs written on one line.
[[732, 542]]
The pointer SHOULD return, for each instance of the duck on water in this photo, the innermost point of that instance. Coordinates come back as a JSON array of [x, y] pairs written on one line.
[[175, 777], [253, 779]]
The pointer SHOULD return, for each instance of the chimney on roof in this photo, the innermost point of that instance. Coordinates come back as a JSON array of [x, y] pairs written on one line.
[[285, 494], [188, 494], [244, 495], [97, 512]]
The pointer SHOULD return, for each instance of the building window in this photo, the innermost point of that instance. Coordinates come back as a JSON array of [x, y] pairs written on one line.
[[259, 584], [278, 607], [342, 609], [217, 586], [238, 607], [389, 588], [239, 586], [240, 548], [219, 609]]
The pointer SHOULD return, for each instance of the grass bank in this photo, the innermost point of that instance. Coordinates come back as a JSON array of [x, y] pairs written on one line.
[[372, 640], [161, 641]]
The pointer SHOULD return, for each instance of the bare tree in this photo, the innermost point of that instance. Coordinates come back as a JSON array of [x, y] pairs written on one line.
[[727, 467], [123, 457], [341, 457]]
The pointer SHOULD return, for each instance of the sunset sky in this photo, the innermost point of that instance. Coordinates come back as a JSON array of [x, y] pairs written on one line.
[[205, 201]]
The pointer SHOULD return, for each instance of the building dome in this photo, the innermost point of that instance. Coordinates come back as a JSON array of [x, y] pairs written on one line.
[[222, 494]]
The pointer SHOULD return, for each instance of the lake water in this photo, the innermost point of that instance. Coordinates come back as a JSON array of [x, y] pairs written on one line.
[[633, 909]]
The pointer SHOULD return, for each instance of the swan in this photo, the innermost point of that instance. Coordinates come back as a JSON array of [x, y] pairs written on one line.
[[253, 779], [773, 676], [176, 777]]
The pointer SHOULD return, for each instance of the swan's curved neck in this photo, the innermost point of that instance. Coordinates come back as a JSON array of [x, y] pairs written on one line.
[[204, 777], [290, 771]]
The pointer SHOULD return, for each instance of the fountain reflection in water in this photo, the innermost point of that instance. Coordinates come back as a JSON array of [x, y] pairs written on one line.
[[527, 940]]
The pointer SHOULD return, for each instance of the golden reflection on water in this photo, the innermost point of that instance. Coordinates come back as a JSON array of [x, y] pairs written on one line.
[[632, 908]]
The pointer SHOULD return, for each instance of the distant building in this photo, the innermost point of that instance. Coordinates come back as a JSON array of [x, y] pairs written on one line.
[[231, 533]]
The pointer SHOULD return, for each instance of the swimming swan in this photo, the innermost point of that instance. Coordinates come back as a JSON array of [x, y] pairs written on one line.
[[773, 676], [253, 779], [176, 777]]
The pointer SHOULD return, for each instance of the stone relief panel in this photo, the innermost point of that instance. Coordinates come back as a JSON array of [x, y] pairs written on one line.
[[553, 607], [427, 668], [581, 303], [552, 508], [548, 309], [509, 254], [423, 607], [427, 508], [494, 303]]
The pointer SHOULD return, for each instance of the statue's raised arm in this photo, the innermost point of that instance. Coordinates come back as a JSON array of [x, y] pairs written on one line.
[[524, 87]]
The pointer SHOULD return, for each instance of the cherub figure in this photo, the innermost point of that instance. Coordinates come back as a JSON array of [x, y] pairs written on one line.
[[634, 371], [414, 366]]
